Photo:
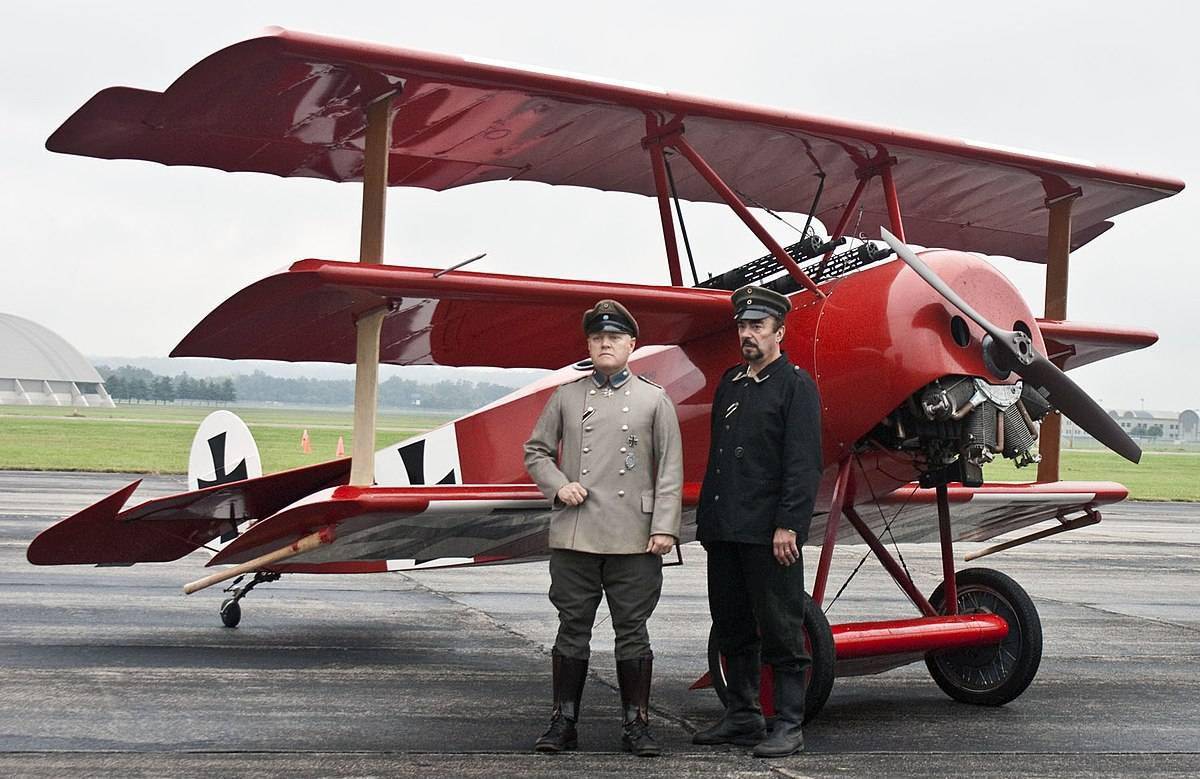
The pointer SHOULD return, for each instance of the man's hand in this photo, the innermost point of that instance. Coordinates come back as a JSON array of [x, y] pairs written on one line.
[[660, 544], [572, 494], [786, 551]]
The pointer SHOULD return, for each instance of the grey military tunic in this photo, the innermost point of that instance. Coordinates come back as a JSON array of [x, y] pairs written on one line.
[[623, 445]]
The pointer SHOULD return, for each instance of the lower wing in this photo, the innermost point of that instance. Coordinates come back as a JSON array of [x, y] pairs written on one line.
[[909, 514]]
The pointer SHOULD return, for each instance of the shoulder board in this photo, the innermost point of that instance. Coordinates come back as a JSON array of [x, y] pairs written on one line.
[[652, 384]]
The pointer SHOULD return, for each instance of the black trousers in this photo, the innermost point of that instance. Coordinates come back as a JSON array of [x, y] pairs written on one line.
[[757, 604], [632, 583]]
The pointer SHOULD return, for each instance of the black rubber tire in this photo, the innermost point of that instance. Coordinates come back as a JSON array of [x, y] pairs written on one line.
[[231, 613], [819, 639], [990, 675]]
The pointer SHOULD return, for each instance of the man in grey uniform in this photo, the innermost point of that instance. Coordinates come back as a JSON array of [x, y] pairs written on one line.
[[616, 485]]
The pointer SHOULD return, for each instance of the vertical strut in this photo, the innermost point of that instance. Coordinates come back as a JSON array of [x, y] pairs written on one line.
[[366, 364], [658, 166], [893, 202], [1058, 250], [949, 585], [837, 505]]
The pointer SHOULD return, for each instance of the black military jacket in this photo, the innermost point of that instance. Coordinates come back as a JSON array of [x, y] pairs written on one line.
[[764, 460]]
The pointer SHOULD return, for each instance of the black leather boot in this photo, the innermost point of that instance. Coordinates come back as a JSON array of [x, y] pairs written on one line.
[[787, 736], [570, 675], [742, 723], [633, 676]]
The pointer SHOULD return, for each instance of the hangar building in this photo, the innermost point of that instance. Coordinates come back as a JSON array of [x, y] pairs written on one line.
[[39, 368]]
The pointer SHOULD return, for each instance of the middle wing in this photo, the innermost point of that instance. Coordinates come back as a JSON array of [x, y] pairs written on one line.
[[460, 318]]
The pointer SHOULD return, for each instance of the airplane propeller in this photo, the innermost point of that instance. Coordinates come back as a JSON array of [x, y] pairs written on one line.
[[1013, 350]]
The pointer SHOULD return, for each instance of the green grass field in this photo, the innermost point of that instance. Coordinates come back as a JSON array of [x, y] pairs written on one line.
[[1159, 476], [156, 439]]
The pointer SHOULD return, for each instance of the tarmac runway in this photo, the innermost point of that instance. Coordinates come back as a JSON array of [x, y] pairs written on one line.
[[446, 673]]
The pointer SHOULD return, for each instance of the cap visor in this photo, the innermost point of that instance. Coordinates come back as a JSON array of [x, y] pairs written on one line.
[[754, 313]]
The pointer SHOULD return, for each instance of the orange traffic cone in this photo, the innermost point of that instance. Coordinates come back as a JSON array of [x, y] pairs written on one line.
[[341, 450], [305, 444]]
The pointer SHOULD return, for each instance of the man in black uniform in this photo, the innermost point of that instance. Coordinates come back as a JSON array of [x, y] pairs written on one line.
[[764, 465]]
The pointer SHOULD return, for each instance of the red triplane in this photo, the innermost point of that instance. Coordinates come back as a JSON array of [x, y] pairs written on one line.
[[928, 368]]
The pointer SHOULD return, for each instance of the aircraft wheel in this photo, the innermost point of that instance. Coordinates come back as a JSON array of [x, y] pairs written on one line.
[[818, 639], [990, 675], [231, 613]]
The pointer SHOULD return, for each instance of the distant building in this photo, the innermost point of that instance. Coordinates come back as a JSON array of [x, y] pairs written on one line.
[[39, 368], [1147, 425]]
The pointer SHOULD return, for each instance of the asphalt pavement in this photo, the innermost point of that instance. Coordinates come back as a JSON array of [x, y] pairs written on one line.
[[446, 673]]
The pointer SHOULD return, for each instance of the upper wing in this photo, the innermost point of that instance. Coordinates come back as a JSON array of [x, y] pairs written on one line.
[[293, 104], [460, 318]]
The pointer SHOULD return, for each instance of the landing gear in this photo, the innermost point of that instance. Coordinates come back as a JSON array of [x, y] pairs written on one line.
[[231, 610], [990, 675], [818, 639], [231, 613]]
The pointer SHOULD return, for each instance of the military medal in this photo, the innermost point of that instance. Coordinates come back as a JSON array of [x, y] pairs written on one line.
[[607, 392], [630, 459]]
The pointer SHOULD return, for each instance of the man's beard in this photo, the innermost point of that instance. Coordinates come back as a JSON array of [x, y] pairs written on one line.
[[751, 352]]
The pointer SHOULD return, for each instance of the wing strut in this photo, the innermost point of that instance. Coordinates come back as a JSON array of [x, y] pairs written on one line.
[[1058, 251], [368, 326]]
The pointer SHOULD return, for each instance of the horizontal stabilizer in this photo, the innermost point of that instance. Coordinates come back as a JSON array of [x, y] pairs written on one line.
[[307, 313], [171, 527]]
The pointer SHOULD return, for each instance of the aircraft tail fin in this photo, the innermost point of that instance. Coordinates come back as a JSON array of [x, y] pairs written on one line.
[[223, 451]]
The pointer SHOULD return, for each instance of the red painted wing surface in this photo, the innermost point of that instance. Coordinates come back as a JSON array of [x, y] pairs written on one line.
[[460, 318], [293, 104]]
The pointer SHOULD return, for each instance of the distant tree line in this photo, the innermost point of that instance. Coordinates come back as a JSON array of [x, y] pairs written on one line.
[[141, 385]]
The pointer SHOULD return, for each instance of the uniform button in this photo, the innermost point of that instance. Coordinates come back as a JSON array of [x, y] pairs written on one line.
[[739, 452], [621, 472], [587, 449], [626, 409], [591, 392], [720, 451], [624, 427], [623, 450], [716, 498], [718, 471], [626, 392], [583, 472], [589, 408], [620, 493], [726, 427], [587, 429]]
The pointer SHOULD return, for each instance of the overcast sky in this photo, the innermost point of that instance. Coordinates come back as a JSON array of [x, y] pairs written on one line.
[[123, 258]]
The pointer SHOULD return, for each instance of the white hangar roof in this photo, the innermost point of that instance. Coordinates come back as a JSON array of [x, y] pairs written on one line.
[[30, 351]]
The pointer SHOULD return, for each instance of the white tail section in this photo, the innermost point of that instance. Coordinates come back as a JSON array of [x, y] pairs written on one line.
[[222, 451]]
